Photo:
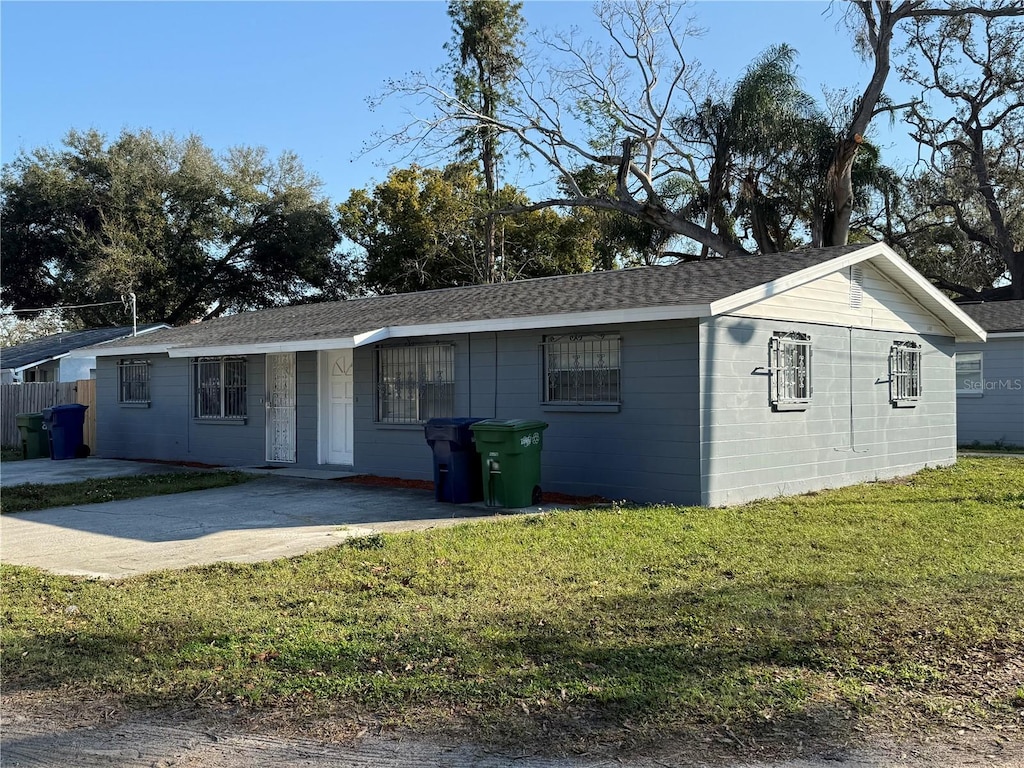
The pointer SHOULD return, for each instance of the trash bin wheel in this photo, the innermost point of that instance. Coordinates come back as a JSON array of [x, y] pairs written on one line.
[[82, 451], [537, 495]]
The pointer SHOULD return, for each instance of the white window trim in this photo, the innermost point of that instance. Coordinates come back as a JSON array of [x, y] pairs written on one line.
[[783, 378], [438, 356], [222, 416], [905, 386]]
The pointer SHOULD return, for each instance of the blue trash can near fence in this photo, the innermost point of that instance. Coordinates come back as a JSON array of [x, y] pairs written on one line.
[[456, 463], [65, 429]]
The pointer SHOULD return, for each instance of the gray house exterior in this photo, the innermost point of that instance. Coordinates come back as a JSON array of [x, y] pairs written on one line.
[[990, 377], [709, 383]]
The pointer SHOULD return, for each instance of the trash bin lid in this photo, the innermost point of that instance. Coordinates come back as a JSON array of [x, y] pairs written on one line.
[[454, 430], [68, 407], [508, 425]]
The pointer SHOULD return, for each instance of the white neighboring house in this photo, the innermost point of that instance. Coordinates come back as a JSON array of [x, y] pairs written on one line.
[[50, 358]]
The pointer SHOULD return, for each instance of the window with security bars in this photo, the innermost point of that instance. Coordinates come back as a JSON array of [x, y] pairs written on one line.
[[133, 381], [582, 369], [415, 383], [219, 387], [904, 373], [789, 365]]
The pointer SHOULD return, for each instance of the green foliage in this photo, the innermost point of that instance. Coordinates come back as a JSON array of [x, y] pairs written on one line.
[[30, 496], [192, 234], [901, 599], [425, 228]]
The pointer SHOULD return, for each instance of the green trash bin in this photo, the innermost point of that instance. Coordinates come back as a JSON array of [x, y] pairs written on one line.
[[510, 460], [34, 441]]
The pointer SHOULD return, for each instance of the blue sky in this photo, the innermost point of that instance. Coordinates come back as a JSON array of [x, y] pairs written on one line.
[[296, 75]]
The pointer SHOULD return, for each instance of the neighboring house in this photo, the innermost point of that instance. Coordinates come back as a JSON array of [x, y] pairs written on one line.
[[49, 358], [990, 377], [711, 382]]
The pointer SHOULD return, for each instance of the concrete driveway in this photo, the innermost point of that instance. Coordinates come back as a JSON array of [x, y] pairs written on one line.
[[272, 516]]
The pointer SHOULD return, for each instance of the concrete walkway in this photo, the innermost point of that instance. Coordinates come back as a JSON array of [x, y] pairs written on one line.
[[272, 516], [48, 471]]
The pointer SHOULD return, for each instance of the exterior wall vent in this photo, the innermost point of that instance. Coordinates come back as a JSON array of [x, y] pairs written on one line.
[[856, 286]]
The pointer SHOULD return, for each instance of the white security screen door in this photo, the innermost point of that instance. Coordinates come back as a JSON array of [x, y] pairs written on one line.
[[339, 407], [281, 407]]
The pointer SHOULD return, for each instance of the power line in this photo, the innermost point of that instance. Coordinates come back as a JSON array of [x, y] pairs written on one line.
[[66, 306]]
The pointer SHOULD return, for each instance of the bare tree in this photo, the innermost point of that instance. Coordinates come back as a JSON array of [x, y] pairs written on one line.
[[876, 22], [619, 106], [587, 105], [970, 118]]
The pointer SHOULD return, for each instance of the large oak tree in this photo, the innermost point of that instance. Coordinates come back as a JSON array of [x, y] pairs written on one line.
[[192, 234]]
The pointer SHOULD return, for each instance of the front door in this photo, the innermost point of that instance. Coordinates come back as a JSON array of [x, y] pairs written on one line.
[[281, 407], [339, 407]]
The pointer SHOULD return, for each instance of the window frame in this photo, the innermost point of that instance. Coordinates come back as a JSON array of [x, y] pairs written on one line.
[[229, 396], [978, 391], [905, 379], [137, 367], [567, 346], [790, 380], [401, 400]]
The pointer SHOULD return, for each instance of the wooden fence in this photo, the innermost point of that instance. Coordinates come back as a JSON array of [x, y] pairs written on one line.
[[33, 397]]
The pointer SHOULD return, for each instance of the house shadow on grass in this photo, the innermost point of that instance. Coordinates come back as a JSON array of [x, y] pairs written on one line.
[[738, 667]]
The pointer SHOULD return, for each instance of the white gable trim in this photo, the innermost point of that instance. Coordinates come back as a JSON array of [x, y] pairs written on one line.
[[889, 263]]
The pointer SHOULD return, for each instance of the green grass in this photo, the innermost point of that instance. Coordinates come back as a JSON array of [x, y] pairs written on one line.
[[30, 496], [901, 601]]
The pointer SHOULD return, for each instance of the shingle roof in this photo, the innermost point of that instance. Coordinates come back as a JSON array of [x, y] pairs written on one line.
[[49, 347], [997, 316], [684, 284]]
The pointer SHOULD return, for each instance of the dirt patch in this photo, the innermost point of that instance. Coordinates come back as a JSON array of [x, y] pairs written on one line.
[[388, 482], [94, 732], [172, 463], [428, 485]]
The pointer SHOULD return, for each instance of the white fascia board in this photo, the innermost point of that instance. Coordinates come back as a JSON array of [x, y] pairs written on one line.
[[890, 263], [36, 364], [566, 320], [996, 335], [928, 296], [371, 337], [269, 348]]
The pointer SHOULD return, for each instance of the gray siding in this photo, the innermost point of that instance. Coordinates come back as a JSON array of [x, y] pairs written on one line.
[[645, 451], [996, 413], [166, 430], [749, 451]]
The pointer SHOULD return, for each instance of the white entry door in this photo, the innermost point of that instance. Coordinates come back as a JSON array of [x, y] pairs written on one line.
[[339, 407], [281, 407]]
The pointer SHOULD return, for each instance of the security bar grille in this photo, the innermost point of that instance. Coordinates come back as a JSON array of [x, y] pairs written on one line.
[[789, 357], [904, 372], [220, 388], [582, 369], [415, 383], [133, 381]]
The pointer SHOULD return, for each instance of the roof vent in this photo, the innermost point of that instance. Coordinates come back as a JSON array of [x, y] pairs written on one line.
[[856, 286]]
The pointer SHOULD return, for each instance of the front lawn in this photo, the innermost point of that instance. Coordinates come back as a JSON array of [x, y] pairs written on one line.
[[898, 603], [31, 496]]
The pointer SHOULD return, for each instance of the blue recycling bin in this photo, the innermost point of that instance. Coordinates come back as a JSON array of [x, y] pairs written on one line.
[[456, 463], [65, 429]]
